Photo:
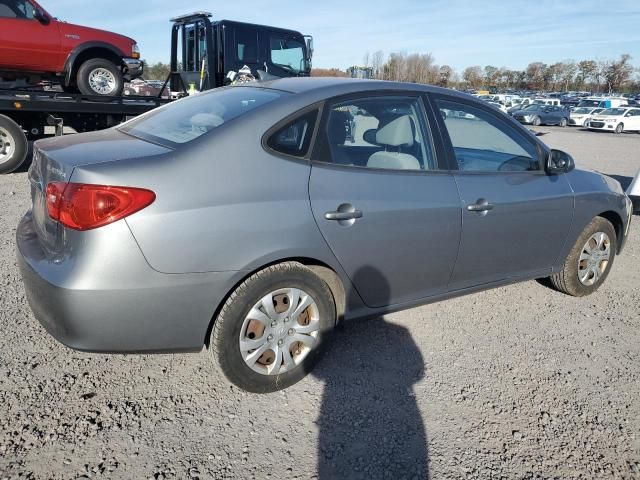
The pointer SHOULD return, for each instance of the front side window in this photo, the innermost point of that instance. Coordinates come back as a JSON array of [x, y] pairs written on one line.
[[295, 137], [379, 132], [187, 119], [287, 53], [484, 143], [17, 9]]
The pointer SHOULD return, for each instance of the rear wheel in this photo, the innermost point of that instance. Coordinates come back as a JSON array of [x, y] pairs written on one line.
[[619, 128], [563, 122], [100, 76], [536, 121], [268, 333], [13, 145], [590, 260]]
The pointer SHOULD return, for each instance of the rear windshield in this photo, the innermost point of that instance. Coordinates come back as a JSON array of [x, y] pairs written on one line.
[[187, 119]]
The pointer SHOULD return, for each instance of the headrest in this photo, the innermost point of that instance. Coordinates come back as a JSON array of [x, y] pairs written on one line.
[[397, 133]]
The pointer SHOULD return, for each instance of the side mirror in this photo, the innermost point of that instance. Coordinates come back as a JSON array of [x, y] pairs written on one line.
[[559, 162], [40, 16]]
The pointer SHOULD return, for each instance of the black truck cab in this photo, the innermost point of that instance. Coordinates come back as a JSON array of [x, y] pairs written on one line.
[[203, 52]]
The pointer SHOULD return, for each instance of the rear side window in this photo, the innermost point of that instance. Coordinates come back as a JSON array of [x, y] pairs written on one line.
[[16, 9], [246, 45], [295, 137], [187, 119], [484, 143]]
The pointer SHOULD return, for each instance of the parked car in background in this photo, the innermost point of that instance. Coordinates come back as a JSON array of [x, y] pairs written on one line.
[[37, 46], [499, 106], [603, 102], [147, 88], [242, 219], [617, 120], [582, 115], [518, 104], [539, 114], [547, 101]]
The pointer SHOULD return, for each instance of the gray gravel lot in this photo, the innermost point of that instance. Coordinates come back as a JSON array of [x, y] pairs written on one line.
[[517, 382]]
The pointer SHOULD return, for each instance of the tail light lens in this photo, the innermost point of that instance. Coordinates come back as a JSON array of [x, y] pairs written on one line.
[[83, 206]]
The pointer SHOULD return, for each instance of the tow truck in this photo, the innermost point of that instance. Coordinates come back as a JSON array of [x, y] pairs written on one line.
[[205, 54]]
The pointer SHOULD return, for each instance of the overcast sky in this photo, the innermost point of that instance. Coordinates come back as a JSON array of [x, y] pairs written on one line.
[[460, 33]]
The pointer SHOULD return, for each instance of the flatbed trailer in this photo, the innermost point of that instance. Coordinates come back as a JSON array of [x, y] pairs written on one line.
[[27, 115]]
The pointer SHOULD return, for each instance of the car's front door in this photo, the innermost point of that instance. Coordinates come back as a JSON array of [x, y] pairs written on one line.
[[515, 217], [25, 42], [387, 210]]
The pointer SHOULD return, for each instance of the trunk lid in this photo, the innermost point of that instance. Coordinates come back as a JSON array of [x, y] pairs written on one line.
[[55, 159]]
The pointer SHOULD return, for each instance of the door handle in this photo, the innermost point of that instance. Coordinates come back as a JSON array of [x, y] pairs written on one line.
[[343, 215], [481, 205]]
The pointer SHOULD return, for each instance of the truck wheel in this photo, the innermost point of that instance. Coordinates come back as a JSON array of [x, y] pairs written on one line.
[[101, 77], [13, 145]]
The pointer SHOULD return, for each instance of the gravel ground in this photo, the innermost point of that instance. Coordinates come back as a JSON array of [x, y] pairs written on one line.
[[517, 382]]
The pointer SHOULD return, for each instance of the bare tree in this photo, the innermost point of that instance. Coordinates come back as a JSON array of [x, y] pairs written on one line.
[[377, 60], [618, 72], [365, 60], [473, 76], [445, 73], [535, 75], [490, 75]]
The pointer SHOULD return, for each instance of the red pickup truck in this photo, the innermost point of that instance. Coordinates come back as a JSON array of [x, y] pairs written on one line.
[[36, 46]]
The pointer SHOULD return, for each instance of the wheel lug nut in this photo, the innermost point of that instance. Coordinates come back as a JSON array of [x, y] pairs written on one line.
[[280, 342], [291, 331], [269, 338], [273, 324]]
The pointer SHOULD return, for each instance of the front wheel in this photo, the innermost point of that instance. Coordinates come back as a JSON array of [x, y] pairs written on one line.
[[563, 122], [269, 331], [536, 121], [100, 77], [619, 129], [13, 145], [590, 260]]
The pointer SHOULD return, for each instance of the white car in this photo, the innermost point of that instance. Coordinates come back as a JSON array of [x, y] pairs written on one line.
[[499, 106], [617, 120], [547, 101], [582, 115]]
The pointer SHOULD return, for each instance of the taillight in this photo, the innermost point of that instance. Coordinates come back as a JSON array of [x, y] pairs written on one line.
[[83, 206]]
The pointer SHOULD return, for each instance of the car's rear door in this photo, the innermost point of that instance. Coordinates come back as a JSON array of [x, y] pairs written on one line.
[[515, 217], [385, 206], [26, 43]]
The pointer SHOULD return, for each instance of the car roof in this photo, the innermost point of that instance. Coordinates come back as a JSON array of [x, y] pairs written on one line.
[[341, 85]]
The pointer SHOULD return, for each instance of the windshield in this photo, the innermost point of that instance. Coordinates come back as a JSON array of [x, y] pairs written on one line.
[[589, 103], [582, 110], [187, 119], [288, 53], [613, 111], [533, 107]]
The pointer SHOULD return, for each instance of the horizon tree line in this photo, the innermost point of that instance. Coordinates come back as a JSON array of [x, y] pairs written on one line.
[[612, 75]]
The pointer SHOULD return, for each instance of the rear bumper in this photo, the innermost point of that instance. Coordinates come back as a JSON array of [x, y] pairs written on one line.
[[109, 305], [133, 68]]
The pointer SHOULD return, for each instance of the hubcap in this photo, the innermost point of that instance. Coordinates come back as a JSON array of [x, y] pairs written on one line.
[[594, 258], [7, 145], [279, 331], [102, 81]]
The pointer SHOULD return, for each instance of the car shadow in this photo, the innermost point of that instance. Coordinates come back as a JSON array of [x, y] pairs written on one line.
[[370, 424]]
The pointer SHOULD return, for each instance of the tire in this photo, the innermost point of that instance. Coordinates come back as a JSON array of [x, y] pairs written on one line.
[[563, 122], [100, 77], [567, 280], [536, 122], [619, 129], [13, 145], [235, 324]]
